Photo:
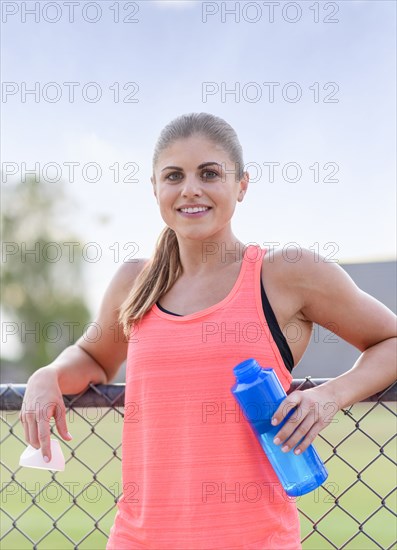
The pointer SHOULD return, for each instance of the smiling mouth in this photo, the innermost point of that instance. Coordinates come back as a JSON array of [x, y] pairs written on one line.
[[194, 210]]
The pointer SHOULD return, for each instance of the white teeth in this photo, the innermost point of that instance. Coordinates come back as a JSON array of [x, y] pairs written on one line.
[[195, 209]]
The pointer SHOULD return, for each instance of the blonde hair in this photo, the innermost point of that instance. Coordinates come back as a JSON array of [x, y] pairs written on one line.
[[164, 268]]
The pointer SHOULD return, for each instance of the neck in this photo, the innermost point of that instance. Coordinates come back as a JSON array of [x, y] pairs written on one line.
[[201, 257]]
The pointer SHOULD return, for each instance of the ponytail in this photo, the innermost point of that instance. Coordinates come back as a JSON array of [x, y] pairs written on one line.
[[155, 279]]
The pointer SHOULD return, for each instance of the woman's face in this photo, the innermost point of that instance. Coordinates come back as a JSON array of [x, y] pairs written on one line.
[[196, 188]]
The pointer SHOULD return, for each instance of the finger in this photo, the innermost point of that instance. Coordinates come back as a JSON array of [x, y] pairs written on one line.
[[303, 414], [299, 435], [292, 422], [286, 406], [309, 438], [25, 427], [31, 424], [60, 422], [27, 416], [44, 438]]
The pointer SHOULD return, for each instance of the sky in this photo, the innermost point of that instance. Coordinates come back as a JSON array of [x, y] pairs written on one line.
[[308, 86]]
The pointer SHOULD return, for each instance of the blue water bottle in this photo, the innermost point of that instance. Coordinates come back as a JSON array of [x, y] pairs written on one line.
[[259, 393]]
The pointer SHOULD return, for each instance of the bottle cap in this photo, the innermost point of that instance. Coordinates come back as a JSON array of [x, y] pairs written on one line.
[[246, 369], [32, 458]]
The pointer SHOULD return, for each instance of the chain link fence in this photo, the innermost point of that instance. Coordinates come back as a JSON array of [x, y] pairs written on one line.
[[354, 509]]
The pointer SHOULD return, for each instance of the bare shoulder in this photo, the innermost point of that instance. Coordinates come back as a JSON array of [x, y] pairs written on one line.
[[304, 270], [123, 280], [110, 349], [325, 294], [280, 277]]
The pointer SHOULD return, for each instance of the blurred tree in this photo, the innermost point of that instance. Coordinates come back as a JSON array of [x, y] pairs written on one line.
[[41, 278]]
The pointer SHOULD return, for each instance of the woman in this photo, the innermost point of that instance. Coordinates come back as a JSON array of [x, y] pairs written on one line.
[[194, 476]]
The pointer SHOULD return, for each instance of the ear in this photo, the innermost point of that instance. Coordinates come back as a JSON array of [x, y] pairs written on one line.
[[243, 186]]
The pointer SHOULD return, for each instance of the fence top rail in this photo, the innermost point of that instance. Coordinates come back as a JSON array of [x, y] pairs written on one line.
[[112, 395]]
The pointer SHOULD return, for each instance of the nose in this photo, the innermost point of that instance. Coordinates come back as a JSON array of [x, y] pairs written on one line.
[[191, 187]]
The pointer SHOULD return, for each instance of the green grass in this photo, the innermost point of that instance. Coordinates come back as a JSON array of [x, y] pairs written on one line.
[[55, 491], [357, 452]]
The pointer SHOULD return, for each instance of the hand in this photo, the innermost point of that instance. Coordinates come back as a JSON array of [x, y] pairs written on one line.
[[314, 410], [42, 401]]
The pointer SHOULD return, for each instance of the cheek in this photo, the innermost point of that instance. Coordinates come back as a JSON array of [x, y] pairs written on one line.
[[162, 199], [165, 203], [230, 201]]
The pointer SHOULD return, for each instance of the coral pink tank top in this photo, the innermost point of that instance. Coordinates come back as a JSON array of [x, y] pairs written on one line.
[[194, 475]]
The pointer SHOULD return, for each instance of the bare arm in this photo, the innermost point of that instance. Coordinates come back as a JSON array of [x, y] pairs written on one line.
[[95, 358], [330, 296]]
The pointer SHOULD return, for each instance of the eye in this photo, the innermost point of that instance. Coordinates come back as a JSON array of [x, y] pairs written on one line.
[[168, 177], [214, 174]]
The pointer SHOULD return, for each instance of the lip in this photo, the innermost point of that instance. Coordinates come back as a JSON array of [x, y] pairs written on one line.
[[194, 206], [194, 214]]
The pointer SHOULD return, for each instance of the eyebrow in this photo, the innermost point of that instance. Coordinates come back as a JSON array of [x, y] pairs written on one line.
[[199, 167]]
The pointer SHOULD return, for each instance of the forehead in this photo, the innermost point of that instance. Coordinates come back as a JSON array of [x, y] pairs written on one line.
[[192, 151]]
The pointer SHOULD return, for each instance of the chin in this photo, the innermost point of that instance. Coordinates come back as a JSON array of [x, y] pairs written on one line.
[[195, 235]]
